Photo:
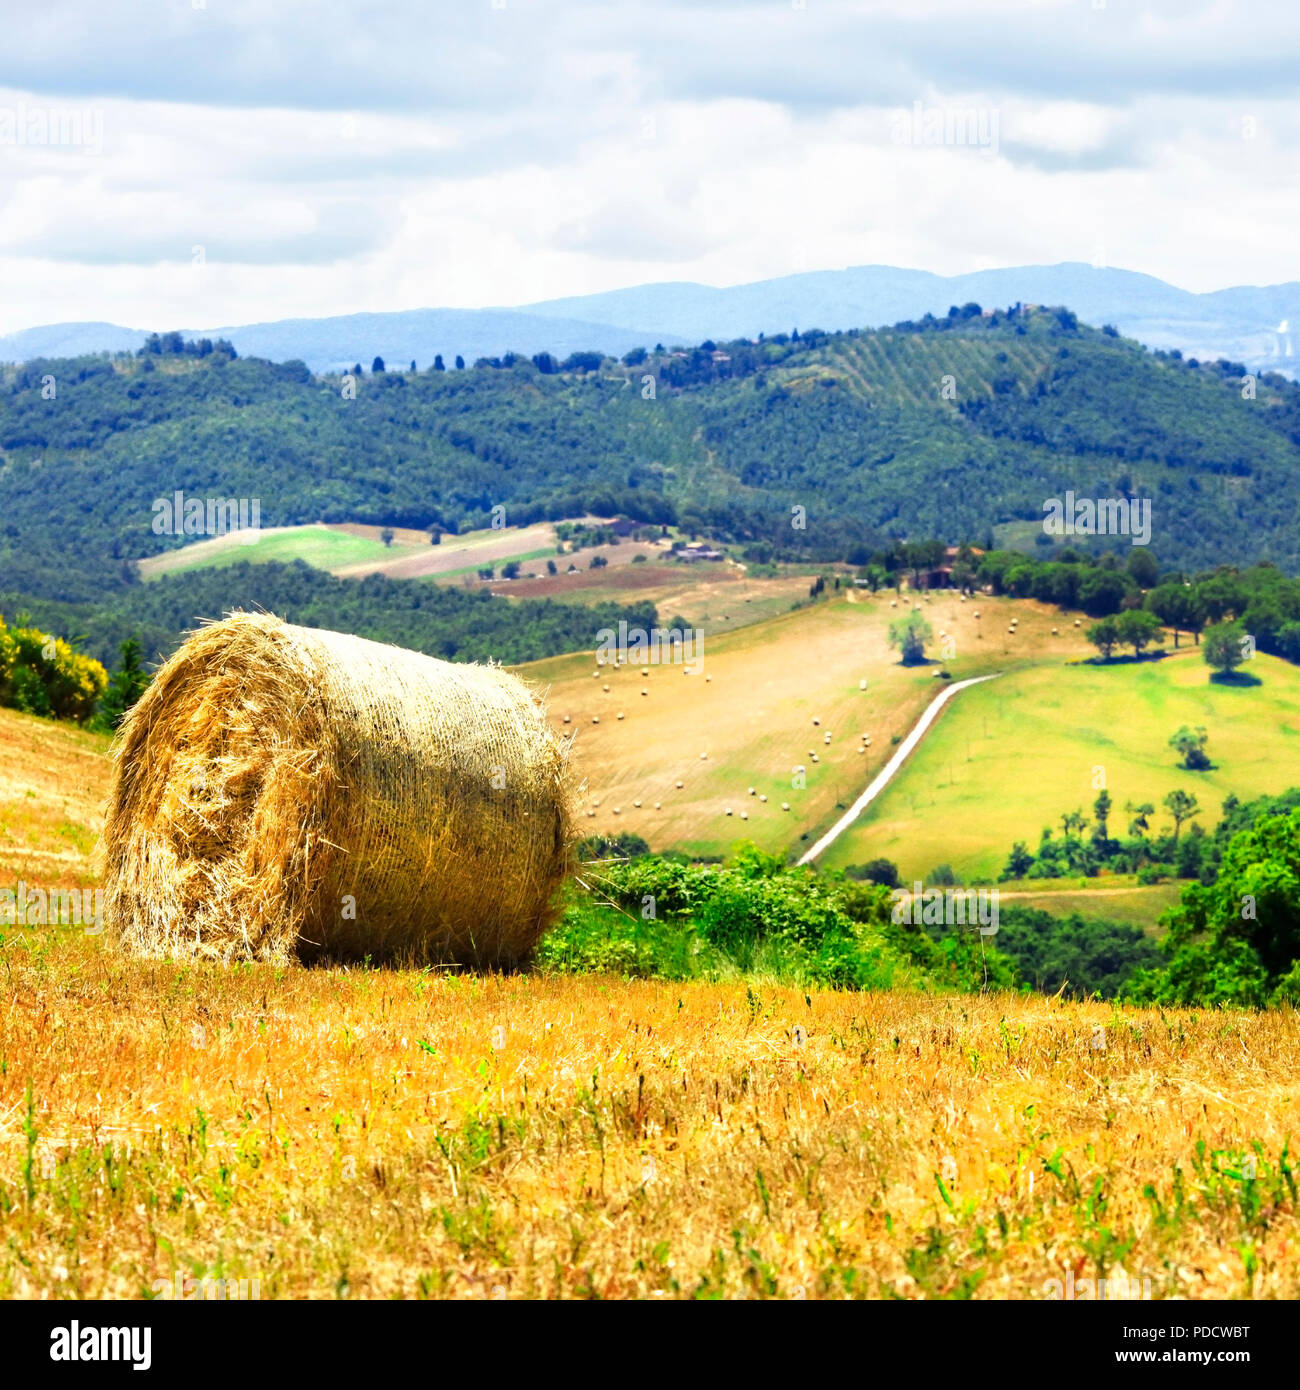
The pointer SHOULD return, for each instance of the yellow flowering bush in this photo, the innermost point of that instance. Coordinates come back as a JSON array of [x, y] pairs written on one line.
[[42, 674]]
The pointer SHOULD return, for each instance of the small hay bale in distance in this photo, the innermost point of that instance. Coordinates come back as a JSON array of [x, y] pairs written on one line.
[[281, 791]]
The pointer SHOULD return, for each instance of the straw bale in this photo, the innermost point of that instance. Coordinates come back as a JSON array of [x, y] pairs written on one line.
[[285, 792]]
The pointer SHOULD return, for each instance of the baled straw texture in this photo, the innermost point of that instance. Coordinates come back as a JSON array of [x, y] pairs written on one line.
[[283, 791]]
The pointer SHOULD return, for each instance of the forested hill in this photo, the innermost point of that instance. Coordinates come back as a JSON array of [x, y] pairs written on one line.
[[943, 428]]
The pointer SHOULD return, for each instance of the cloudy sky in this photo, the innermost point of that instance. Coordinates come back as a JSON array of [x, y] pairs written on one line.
[[210, 162]]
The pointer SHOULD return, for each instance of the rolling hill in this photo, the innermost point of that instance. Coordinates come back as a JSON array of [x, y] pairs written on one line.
[[944, 428], [1247, 323]]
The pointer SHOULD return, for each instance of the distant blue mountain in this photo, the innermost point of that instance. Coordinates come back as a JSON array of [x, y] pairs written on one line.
[[1244, 323], [1258, 326]]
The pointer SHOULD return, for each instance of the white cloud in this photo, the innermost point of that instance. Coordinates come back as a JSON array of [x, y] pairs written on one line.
[[340, 157]]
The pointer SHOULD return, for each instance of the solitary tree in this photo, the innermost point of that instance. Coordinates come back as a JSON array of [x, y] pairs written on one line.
[[1138, 629], [1141, 821], [1190, 744], [386, 535], [1224, 647], [438, 364], [910, 634], [460, 363], [377, 365], [1105, 637], [1181, 806]]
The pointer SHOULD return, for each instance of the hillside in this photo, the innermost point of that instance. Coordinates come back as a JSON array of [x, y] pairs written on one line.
[[1013, 756], [51, 801], [851, 427], [1243, 322]]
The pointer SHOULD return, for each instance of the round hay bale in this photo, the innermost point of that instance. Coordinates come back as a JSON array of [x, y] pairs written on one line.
[[605, 688], [762, 798], [620, 714], [280, 792], [862, 685], [785, 805], [566, 718], [679, 786], [637, 804], [645, 670], [658, 805]]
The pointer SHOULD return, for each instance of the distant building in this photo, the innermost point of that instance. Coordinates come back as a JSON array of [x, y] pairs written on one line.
[[699, 550]]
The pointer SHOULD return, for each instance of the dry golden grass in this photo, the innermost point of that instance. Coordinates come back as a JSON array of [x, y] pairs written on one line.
[[751, 710], [53, 780], [390, 1134]]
